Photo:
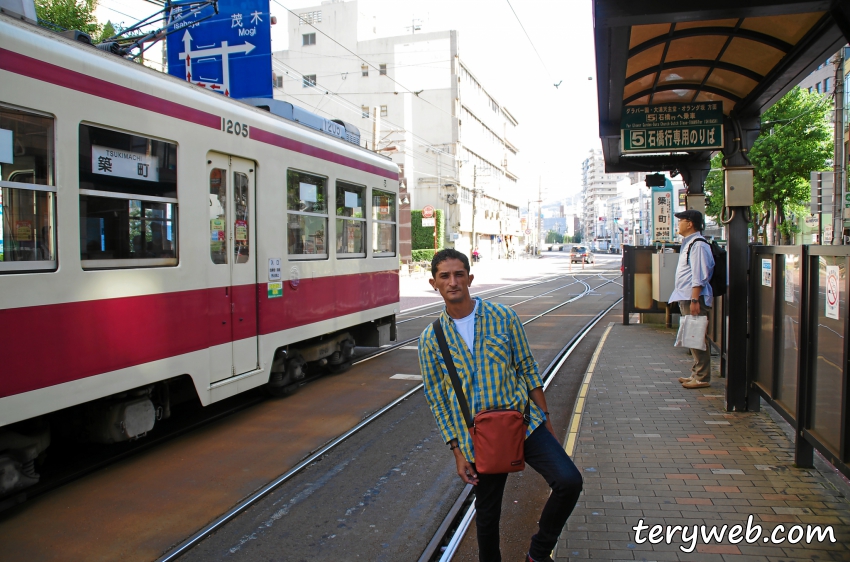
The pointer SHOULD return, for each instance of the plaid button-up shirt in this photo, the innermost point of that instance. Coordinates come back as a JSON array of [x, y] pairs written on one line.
[[497, 374]]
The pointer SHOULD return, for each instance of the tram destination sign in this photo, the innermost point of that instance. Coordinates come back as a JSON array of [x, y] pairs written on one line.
[[672, 127]]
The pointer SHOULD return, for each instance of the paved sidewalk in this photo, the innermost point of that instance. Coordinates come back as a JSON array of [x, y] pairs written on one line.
[[651, 450]]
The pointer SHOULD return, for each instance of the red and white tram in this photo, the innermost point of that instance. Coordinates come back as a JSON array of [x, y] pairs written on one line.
[[159, 236]]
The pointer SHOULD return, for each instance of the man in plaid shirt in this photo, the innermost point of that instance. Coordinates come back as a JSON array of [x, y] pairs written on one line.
[[496, 369]]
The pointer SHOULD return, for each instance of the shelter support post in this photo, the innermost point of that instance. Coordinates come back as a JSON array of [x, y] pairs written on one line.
[[739, 138]]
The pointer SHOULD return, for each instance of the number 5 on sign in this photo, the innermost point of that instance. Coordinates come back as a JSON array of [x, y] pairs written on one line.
[[638, 139]]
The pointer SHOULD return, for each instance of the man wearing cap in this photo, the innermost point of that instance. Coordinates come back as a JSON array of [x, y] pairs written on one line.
[[693, 291]]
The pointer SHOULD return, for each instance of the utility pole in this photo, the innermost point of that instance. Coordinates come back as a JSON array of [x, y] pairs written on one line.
[[540, 237], [839, 184], [474, 200]]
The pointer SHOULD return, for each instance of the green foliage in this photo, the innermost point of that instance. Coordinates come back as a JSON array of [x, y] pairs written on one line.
[[714, 199], [553, 237], [422, 255], [795, 140], [577, 238], [70, 14], [422, 237]]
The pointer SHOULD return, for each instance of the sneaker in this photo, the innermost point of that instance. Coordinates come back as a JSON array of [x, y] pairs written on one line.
[[528, 558], [696, 384], [685, 379]]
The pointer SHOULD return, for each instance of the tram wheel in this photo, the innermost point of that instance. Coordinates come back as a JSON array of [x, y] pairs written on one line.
[[282, 391], [340, 368]]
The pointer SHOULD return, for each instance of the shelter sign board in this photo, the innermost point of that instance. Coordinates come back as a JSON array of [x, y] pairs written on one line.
[[229, 52], [662, 213], [672, 127]]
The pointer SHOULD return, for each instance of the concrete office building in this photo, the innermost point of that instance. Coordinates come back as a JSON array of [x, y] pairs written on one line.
[[597, 187], [414, 100]]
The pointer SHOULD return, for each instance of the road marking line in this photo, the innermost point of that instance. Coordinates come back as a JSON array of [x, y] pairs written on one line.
[[407, 377], [575, 424]]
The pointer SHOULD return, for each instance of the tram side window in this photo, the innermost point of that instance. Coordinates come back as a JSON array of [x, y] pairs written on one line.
[[128, 200], [307, 215], [218, 215], [383, 223], [351, 220], [27, 192]]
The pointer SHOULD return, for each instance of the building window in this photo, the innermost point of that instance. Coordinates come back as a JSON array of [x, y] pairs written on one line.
[[307, 215], [278, 82], [364, 111], [128, 200], [310, 17], [308, 80], [383, 225], [27, 193], [817, 87], [364, 70], [383, 111], [308, 39], [382, 70], [826, 84], [351, 221]]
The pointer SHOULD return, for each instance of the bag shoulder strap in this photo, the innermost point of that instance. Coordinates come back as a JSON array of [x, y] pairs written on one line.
[[695, 240], [450, 365]]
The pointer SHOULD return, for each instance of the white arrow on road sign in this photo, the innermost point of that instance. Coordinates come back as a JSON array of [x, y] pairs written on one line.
[[224, 52]]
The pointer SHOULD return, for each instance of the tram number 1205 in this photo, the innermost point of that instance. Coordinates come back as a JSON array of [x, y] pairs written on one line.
[[234, 127]]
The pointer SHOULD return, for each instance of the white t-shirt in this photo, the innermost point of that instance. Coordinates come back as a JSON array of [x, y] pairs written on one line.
[[466, 328]]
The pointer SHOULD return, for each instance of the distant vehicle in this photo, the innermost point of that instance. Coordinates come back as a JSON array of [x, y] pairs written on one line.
[[581, 254], [555, 247], [566, 248]]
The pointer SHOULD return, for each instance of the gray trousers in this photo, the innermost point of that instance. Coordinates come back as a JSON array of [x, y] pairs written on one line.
[[701, 369]]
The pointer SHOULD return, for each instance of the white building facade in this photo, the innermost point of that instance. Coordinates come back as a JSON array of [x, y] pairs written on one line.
[[597, 187], [414, 100]]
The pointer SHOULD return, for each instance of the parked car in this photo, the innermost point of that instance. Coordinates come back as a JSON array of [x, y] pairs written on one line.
[[555, 247], [566, 248], [581, 254]]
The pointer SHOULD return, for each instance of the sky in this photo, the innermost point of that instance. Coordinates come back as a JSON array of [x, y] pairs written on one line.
[[557, 126]]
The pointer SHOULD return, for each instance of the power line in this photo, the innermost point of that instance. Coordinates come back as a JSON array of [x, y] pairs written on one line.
[[529, 40]]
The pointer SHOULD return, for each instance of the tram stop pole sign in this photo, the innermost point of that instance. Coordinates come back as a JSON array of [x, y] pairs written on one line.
[[230, 53], [671, 127]]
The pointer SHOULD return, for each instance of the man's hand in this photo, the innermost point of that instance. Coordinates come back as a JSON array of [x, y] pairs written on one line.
[[465, 469], [694, 309]]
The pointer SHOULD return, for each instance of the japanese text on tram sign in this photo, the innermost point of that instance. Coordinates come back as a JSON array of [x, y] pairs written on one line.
[[124, 164], [646, 128]]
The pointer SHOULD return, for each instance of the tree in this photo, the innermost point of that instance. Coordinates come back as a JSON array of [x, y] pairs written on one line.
[[69, 14], [553, 237], [795, 140], [577, 238]]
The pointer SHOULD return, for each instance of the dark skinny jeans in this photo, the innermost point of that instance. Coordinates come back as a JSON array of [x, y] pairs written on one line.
[[545, 455]]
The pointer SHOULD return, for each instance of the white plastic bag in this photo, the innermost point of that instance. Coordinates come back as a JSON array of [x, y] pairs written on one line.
[[692, 331]]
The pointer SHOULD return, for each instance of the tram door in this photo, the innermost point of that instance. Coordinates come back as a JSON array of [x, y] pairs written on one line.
[[233, 267]]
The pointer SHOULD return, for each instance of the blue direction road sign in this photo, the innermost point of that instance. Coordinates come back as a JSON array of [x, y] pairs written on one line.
[[229, 53]]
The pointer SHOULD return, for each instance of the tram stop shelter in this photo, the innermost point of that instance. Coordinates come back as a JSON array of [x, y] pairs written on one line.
[[741, 58]]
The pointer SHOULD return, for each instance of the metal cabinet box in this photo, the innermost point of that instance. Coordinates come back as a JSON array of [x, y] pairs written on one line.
[[663, 275]]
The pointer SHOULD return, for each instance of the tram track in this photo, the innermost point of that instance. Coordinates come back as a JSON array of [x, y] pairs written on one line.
[[456, 523], [319, 453], [245, 401]]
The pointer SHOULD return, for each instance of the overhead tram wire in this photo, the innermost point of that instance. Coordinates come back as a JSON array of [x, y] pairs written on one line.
[[529, 40], [297, 76]]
